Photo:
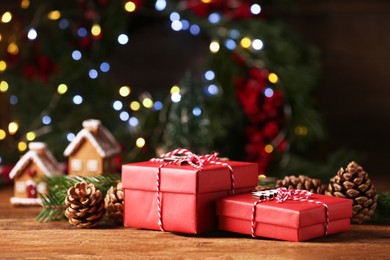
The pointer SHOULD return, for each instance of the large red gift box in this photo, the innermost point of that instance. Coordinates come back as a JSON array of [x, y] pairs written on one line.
[[186, 201], [290, 220]]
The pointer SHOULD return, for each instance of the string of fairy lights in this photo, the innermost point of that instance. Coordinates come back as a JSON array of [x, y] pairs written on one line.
[[127, 109]]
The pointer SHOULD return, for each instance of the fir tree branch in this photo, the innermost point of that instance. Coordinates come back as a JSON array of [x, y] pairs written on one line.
[[382, 212]]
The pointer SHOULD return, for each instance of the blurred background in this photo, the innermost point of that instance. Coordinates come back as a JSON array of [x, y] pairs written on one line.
[[299, 87]]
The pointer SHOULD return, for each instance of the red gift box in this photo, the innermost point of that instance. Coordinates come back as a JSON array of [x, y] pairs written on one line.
[[187, 195], [291, 220]]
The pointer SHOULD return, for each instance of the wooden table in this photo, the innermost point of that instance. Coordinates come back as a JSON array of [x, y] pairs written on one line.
[[22, 237]]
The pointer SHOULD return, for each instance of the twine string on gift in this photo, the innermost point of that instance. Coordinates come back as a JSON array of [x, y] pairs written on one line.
[[180, 156], [281, 195]]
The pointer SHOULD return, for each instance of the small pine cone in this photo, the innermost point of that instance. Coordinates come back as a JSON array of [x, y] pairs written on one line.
[[85, 205], [302, 182], [354, 183], [114, 203]]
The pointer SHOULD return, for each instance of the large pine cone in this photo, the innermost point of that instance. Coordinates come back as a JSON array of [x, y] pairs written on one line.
[[354, 183], [302, 182], [85, 205], [114, 203]]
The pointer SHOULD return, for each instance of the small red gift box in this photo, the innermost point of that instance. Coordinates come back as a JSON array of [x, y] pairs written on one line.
[[182, 198], [291, 219]]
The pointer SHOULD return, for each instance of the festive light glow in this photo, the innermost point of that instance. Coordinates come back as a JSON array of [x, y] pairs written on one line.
[[63, 24], [1, 37], [123, 39], [160, 5], [255, 9], [124, 116], [6, 17], [140, 142], [3, 134], [194, 29], [273, 78], [96, 30], [268, 148], [147, 102], [133, 121], [158, 105], [105, 67], [22, 146], [174, 16], [82, 32], [62, 88], [214, 18], [234, 33], [54, 15], [196, 111], [3, 65], [124, 91], [76, 55], [176, 25], [25, 4], [46, 120], [257, 44], [175, 97], [206, 1], [268, 92], [301, 130], [30, 136], [130, 6], [212, 89], [3, 86], [70, 136], [209, 75], [214, 46], [93, 74], [230, 44], [175, 89], [13, 100], [245, 42], [117, 105], [32, 34], [135, 105], [13, 48], [185, 25], [77, 99], [13, 128]]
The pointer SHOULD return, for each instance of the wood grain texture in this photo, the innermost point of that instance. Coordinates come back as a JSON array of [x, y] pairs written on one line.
[[22, 237]]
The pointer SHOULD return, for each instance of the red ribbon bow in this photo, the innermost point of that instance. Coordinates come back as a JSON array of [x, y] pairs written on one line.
[[281, 195], [180, 156]]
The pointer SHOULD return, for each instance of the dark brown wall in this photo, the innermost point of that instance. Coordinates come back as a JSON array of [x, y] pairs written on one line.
[[354, 41]]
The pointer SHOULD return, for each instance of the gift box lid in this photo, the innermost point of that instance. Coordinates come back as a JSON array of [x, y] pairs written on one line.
[[294, 214], [187, 179]]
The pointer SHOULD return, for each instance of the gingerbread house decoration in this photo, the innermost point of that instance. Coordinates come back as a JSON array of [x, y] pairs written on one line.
[[28, 172], [92, 151]]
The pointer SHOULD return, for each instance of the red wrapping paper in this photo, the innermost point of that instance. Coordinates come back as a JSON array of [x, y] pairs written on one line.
[[188, 196], [289, 220]]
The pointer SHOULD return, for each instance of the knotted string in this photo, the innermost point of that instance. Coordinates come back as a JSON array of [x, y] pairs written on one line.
[[281, 195], [181, 156]]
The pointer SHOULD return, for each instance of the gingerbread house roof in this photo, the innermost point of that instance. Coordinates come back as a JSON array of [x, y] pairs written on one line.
[[43, 158], [99, 137]]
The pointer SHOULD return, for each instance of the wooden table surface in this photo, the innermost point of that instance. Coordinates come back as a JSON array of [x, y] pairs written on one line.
[[21, 237]]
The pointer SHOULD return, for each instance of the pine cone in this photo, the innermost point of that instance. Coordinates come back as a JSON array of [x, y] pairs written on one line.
[[114, 203], [354, 183], [85, 205], [302, 182]]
